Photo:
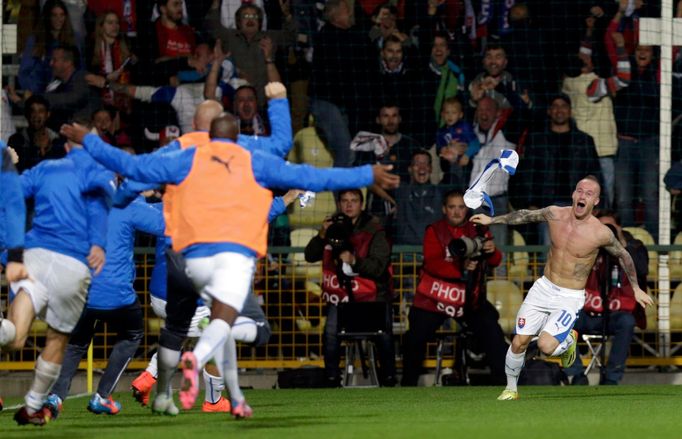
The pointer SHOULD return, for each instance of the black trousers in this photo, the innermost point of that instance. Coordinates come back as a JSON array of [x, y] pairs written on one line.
[[483, 325], [181, 302], [128, 324]]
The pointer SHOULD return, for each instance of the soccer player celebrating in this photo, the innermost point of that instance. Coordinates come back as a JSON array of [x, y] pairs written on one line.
[[68, 235], [554, 300], [12, 220], [221, 248]]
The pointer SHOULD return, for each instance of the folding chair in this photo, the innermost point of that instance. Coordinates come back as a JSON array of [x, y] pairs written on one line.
[[596, 345], [459, 343], [359, 323]]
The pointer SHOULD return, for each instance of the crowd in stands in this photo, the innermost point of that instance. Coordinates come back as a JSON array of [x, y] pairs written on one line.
[[566, 84]]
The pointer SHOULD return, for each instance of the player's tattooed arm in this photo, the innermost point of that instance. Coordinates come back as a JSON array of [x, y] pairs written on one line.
[[525, 216], [616, 249]]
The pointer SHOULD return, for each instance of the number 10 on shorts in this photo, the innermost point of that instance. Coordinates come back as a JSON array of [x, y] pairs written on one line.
[[565, 318]]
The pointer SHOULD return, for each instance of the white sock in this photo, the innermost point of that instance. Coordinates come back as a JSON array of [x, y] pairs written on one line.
[[513, 364], [226, 360], [152, 367], [46, 375], [167, 363], [211, 339], [214, 387], [568, 341], [7, 332], [245, 330]]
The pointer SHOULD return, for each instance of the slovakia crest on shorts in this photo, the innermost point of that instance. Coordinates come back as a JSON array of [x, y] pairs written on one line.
[[522, 322]]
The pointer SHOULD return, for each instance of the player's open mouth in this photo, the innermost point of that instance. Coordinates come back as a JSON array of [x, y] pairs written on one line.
[[581, 204]]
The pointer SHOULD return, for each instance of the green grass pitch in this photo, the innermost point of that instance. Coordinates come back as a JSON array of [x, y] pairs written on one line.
[[444, 412]]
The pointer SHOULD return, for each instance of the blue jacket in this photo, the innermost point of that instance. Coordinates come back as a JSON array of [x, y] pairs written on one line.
[[113, 288], [278, 143], [12, 208], [70, 204], [269, 171]]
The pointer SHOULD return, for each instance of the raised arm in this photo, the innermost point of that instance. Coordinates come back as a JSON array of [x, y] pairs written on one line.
[[172, 167], [523, 216], [616, 249], [273, 172]]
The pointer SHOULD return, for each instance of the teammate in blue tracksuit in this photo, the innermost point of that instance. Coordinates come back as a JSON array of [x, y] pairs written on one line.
[[12, 216], [68, 234], [12, 220], [112, 300], [268, 170]]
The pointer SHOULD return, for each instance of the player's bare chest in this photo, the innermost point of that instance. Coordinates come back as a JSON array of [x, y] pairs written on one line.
[[576, 241]]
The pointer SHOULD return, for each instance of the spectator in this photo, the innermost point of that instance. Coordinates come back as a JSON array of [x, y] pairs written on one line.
[[111, 57], [251, 123], [126, 10], [385, 25], [488, 129], [456, 144], [174, 38], [342, 54], [395, 80], [636, 166], [228, 11], [252, 49], [105, 120], [76, 11], [440, 79], [610, 305], [183, 99], [399, 148], [497, 82], [36, 142], [418, 202], [462, 280], [362, 270], [69, 95], [591, 98], [54, 29], [554, 159]]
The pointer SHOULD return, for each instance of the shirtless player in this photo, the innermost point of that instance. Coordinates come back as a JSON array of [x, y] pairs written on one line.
[[553, 302]]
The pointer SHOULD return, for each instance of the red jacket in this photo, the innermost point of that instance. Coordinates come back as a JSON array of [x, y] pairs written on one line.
[[441, 288]]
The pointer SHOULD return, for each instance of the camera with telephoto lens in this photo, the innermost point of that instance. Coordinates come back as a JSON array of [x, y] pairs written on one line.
[[338, 234], [466, 247]]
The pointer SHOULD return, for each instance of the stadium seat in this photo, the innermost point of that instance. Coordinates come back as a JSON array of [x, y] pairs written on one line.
[[313, 214], [308, 148], [644, 236], [675, 260], [518, 261], [507, 298], [311, 272]]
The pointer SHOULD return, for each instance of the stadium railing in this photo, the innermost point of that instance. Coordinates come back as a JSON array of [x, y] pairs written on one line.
[[296, 313]]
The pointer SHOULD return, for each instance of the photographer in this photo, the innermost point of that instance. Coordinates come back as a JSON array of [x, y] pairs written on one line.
[[356, 257], [456, 256]]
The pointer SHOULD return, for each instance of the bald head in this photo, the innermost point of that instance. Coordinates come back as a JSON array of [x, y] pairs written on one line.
[[224, 127], [205, 113]]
